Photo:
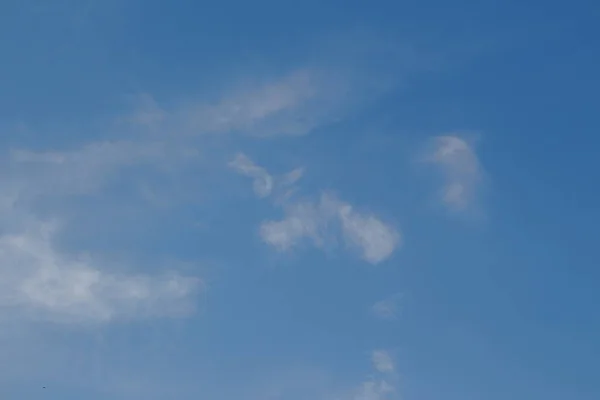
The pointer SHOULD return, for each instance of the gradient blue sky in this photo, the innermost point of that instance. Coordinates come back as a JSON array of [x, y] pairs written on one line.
[[273, 200]]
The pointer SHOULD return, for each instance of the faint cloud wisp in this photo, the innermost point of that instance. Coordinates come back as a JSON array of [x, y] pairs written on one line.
[[293, 104], [388, 308], [461, 171], [41, 281]]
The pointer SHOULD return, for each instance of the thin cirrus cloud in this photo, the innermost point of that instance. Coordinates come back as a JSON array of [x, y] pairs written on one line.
[[321, 222], [293, 104], [461, 171]]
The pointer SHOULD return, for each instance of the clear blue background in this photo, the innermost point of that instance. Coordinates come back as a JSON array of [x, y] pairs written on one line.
[[495, 309]]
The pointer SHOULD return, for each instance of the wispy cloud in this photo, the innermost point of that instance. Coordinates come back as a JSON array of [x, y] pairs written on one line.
[[461, 170], [388, 308], [293, 104], [322, 221], [89, 167], [263, 182]]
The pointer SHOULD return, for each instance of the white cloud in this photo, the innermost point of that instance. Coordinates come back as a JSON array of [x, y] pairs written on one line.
[[387, 309], [372, 237], [303, 220], [320, 221], [39, 281], [461, 170]]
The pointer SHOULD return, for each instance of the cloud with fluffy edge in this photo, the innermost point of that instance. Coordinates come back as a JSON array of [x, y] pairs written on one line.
[[320, 221], [41, 281]]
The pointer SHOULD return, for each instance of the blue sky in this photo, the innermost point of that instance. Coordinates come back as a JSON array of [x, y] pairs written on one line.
[[286, 201]]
